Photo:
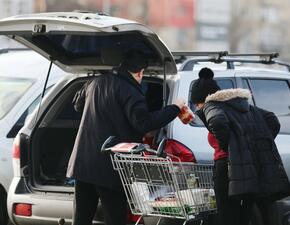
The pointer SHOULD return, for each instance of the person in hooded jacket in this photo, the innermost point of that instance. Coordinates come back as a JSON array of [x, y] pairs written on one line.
[[247, 165], [113, 104]]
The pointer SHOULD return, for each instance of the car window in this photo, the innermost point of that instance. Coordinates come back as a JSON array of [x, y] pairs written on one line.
[[22, 119], [11, 90], [32, 106], [246, 86], [223, 83], [273, 95], [153, 91]]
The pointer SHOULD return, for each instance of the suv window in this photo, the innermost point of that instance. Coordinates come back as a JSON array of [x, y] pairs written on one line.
[[247, 86], [273, 95], [223, 83], [21, 121], [11, 90]]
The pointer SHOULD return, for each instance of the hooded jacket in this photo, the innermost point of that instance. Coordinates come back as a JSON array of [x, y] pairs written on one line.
[[247, 133]]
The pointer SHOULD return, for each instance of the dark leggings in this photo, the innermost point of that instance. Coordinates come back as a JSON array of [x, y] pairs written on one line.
[[87, 196], [231, 211]]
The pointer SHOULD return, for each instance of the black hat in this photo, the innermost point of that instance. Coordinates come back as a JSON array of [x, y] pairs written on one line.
[[135, 60], [203, 86]]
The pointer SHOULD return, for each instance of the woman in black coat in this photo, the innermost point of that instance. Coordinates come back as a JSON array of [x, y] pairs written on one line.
[[253, 169]]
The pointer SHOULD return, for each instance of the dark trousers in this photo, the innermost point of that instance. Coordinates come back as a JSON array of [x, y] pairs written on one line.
[[231, 211], [87, 196]]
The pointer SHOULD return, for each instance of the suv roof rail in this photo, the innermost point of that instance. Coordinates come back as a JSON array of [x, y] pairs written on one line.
[[6, 50], [265, 56], [181, 56], [189, 59]]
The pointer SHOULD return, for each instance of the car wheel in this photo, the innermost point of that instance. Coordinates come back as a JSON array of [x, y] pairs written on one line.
[[3, 207]]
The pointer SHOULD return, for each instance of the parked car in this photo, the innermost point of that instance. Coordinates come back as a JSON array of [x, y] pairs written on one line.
[[21, 84], [78, 43], [92, 44]]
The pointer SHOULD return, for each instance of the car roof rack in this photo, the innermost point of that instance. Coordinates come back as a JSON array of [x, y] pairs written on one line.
[[181, 56], [189, 59]]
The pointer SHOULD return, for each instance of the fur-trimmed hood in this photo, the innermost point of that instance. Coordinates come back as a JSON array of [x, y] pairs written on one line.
[[236, 98]]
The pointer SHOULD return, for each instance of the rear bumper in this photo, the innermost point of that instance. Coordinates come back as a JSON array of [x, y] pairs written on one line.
[[47, 208]]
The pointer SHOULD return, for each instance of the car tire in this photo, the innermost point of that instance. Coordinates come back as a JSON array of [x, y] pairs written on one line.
[[3, 207]]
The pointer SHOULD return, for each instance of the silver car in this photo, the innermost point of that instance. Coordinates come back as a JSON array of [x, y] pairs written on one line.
[[86, 45], [21, 85]]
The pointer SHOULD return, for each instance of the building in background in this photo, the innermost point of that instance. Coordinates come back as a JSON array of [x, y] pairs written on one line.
[[11, 8], [261, 26], [40, 6], [200, 25], [213, 19], [173, 20]]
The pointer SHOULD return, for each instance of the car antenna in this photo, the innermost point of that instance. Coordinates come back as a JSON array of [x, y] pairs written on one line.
[[43, 91]]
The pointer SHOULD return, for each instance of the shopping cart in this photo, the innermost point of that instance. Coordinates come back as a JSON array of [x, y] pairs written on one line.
[[157, 185]]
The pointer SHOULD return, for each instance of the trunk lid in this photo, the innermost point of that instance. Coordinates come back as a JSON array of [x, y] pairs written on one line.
[[87, 42]]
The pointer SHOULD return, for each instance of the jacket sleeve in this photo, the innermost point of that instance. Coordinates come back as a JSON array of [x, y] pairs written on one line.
[[271, 120], [80, 98], [136, 111], [218, 125]]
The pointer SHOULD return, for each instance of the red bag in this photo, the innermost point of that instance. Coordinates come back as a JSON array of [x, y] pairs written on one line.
[[176, 148]]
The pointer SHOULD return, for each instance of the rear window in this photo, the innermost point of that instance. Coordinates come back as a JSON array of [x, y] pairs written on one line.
[[11, 90], [273, 95], [87, 49]]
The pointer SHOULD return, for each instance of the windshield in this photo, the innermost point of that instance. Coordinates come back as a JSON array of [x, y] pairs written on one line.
[[11, 90]]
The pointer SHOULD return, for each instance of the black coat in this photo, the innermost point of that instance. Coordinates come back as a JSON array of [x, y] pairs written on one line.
[[247, 133], [113, 105]]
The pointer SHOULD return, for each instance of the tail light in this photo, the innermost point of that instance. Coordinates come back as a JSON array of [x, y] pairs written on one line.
[[16, 156], [21, 209], [132, 219]]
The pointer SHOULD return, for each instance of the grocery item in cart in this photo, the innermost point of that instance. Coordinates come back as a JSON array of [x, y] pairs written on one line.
[[197, 197], [192, 181], [141, 196], [170, 205]]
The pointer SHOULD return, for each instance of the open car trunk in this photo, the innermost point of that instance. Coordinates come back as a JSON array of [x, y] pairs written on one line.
[[54, 138]]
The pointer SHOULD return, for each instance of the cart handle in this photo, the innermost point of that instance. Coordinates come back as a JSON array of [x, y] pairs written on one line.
[[112, 140], [108, 143]]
